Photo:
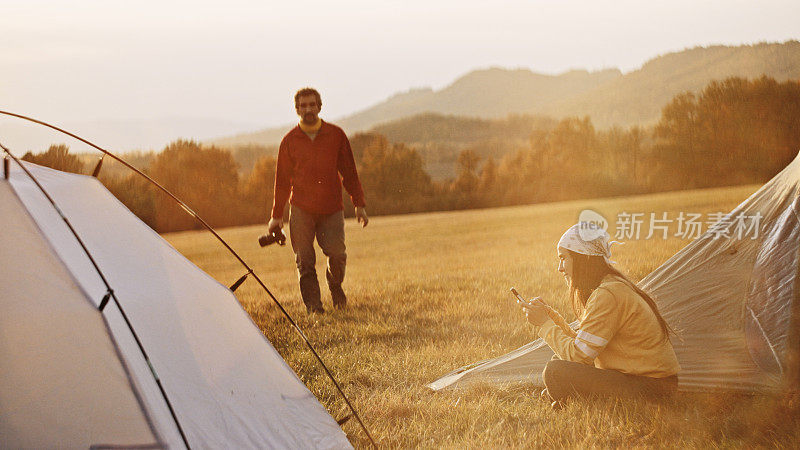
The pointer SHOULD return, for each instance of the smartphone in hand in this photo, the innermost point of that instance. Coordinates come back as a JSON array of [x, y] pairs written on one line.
[[522, 301]]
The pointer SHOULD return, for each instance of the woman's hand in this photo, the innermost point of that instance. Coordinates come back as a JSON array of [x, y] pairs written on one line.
[[536, 312]]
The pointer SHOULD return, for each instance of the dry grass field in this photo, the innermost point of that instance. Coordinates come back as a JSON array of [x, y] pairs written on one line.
[[429, 293]]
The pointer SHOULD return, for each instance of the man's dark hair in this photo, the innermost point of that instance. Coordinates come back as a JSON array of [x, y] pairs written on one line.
[[307, 91]]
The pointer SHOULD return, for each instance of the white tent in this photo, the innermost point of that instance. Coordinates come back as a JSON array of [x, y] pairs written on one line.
[[729, 298], [73, 376]]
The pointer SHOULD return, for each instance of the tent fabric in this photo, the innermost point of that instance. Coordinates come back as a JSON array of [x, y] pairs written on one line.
[[62, 385], [728, 298], [226, 383]]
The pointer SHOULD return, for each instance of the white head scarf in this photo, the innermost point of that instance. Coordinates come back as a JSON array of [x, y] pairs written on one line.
[[573, 240]]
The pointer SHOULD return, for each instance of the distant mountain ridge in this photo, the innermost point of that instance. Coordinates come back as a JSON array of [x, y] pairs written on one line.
[[487, 93], [637, 97], [608, 96]]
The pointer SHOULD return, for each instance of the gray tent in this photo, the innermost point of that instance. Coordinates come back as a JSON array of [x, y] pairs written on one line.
[[729, 298], [73, 376]]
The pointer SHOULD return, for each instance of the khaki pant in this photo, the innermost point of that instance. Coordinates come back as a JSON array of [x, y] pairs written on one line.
[[565, 379], [328, 230]]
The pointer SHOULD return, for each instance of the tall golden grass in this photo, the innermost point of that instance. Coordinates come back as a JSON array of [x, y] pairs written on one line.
[[429, 293]]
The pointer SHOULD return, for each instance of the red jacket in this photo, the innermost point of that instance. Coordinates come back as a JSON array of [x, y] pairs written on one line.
[[310, 171]]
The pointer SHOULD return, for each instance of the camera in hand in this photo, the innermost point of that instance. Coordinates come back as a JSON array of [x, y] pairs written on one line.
[[271, 238]]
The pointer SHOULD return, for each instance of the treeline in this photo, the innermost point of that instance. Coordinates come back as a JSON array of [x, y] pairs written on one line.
[[206, 178], [440, 138], [734, 131], [432, 128], [245, 156]]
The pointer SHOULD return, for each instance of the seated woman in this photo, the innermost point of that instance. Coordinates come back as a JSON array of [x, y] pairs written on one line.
[[622, 345]]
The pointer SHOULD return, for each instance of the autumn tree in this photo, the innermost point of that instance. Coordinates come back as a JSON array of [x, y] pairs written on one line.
[[246, 156], [205, 178], [734, 131], [135, 192], [572, 146], [467, 180], [257, 191], [394, 178], [677, 148], [56, 157], [361, 141], [488, 177]]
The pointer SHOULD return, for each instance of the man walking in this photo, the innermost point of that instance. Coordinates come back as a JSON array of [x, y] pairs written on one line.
[[314, 161]]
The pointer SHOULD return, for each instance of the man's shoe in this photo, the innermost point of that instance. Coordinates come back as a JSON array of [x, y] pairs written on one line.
[[338, 297], [317, 310]]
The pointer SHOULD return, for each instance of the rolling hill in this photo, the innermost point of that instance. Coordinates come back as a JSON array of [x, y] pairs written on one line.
[[609, 97]]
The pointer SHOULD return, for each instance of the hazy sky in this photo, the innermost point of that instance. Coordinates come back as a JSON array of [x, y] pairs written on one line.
[[242, 60]]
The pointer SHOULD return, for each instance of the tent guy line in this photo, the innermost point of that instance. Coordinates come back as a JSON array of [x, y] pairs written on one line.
[[109, 292], [766, 338], [219, 238]]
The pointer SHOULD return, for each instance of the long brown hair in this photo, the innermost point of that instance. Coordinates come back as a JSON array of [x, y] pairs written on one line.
[[588, 272]]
